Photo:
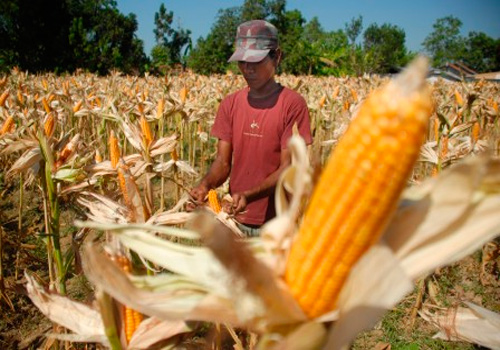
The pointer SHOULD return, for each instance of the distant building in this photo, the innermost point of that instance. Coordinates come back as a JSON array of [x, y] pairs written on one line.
[[458, 71]]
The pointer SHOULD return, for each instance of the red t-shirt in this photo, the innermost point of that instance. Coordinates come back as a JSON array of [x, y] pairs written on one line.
[[258, 131]]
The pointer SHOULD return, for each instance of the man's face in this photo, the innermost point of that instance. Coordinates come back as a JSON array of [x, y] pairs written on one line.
[[259, 73]]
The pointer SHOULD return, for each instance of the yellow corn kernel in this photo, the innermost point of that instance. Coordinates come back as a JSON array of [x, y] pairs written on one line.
[[359, 189], [3, 97], [8, 125], [146, 130], [114, 149], [213, 201], [46, 105]]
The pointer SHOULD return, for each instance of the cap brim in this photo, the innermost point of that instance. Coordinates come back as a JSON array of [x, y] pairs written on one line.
[[248, 55]]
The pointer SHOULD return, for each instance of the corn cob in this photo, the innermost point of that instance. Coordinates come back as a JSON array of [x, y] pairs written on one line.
[[174, 155], [444, 147], [67, 151], [20, 97], [3, 97], [359, 189], [476, 130], [183, 94], [46, 105], [114, 150], [77, 107], [146, 131], [159, 110], [98, 156], [8, 125], [322, 101], [213, 201], [354, 95], [49, 125], [132, 318], [458, 98], [335, 92]]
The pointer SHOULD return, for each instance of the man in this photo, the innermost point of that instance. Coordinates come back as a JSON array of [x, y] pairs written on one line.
[[253, 126]]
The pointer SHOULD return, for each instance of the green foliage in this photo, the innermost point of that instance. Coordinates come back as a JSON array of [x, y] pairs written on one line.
[[53, 35], [445, 44], [482, 53], [385, 46], [62, 36], [211, 54], [170, 42]]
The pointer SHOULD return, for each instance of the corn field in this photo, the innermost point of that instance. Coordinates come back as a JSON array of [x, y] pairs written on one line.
[[124, 150]]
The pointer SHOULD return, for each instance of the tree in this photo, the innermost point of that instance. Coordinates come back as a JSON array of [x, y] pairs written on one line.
[[445, 43], [385, 46], [211, 54], [170, 42], [482, 52], [353, 29]]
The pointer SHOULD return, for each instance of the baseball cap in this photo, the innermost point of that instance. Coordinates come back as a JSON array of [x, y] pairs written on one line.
[[254, 40]]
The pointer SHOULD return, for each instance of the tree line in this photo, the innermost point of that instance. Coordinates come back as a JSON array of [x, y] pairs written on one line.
[[67, 35]]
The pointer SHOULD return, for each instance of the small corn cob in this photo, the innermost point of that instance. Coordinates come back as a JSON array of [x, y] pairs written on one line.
[[20, 97], [159, 110], [359, 189], [146, 130], [67, 151], [458, 98], [114, 149], [436, 128], [8, 125], [444, 147], [3, 97], [98, 156], [354, 95], [183, 94], [346, 105], [335, 92], [322, 101], [46, 105], [476, 130], [213, 201], [132, 318], [49, 125], [174, 155], [77, 107]]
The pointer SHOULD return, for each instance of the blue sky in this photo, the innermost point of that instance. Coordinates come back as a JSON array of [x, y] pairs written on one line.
[[416, 18]]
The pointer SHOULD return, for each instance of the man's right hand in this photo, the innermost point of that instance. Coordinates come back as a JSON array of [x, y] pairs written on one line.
[[198, 195]]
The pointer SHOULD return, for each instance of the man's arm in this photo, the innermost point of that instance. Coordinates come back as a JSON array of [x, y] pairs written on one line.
[[265, 188], [217, 174]]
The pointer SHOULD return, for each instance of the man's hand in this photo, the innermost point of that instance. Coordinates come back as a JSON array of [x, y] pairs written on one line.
[[198, 195], [239, 203]]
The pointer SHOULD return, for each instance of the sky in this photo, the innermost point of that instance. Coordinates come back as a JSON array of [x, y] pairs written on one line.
[[416, 18]]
